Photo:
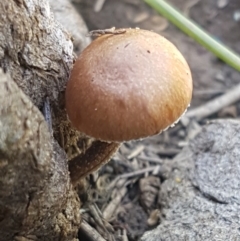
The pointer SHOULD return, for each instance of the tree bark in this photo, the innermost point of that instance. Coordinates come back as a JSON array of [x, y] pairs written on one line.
[[37, 201], [38, 55], [37, 197]]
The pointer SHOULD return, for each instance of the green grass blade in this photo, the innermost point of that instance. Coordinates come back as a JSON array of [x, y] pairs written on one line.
[[195, 32]]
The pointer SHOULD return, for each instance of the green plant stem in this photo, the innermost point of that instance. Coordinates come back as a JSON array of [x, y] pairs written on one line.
[[195, 32]]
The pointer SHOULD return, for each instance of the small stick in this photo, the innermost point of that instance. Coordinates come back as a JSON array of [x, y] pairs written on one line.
[[139, 172], [118, 193], [47, 114], [112, 206], [125, 238], [99, 32], [151, 159], [97, 216], [208, 92], [92, 234], [213, 106], [166, 152], [136, 151]]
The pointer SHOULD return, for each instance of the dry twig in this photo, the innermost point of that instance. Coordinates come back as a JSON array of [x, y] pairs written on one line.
[[213, 106], [136, 151], [139, 172], [92, 234], [112, 206]]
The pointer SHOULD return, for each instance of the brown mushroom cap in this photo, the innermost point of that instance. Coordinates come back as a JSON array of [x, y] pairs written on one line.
[[128, 86]]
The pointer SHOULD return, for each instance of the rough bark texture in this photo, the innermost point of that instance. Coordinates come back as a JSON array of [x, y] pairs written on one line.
[[34, 49], [201, 198], [38, 54], [34, 181], [37, 200]]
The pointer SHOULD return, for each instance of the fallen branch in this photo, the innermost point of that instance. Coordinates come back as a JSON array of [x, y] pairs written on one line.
[[213, 106], [90, 232]]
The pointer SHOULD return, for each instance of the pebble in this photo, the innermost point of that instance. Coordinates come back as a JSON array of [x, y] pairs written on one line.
[[222, 3], [236, 15]]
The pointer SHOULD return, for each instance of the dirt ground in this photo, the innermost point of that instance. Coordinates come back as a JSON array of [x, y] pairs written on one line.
[[210, 75]]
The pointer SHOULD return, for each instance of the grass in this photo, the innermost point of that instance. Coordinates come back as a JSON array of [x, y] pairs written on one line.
[[196, 33]]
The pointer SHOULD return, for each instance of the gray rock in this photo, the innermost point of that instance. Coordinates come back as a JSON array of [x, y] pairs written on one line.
[[201, 198]]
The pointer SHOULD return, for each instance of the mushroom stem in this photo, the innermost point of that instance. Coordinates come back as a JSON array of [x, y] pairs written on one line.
[[98, 154]]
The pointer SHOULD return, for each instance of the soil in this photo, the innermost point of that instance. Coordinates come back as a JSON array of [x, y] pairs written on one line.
[[211, 78]]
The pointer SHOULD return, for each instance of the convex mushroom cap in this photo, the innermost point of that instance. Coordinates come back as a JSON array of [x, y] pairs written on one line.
[[128, 86]]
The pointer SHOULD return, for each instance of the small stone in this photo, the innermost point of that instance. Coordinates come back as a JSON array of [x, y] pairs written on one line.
[[222, 3], [236, 15], [220, 77]]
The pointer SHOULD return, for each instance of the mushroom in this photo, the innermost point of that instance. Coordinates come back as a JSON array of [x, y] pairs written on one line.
[[127, 85]]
